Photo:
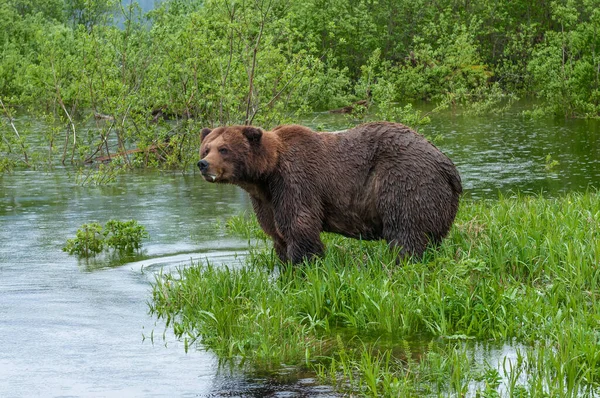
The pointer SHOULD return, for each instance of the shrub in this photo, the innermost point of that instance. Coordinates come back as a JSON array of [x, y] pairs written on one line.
[[124, 236], [121, 236], [88, 241]]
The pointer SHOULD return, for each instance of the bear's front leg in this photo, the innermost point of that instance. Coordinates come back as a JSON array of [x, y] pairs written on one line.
[[301, 232], [281, 250], [304, 249], [266, 219]]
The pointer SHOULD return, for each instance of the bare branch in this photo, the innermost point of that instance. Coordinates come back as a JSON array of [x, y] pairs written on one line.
[[299, 73], [12, 124], [252, 71], [263, 21]]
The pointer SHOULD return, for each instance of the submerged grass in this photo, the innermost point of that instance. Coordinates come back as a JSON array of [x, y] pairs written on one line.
[[517, 269]]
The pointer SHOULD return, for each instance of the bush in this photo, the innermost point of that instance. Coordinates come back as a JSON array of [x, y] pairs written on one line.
[[565, 66], [88, 241], [123, 237]]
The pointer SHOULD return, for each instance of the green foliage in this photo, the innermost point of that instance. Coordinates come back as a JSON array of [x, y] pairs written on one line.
[[550, 163], [88, 241], [121, 236], [103, 175], [566, 66], [505, 273], [154, 80], [124, 236]]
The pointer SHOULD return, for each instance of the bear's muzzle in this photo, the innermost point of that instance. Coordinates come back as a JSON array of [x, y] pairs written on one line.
[[203, 165]]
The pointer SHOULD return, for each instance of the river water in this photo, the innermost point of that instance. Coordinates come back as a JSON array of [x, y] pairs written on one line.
[[75, 328]]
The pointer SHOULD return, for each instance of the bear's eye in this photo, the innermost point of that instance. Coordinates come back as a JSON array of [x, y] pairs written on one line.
[[223, 151]]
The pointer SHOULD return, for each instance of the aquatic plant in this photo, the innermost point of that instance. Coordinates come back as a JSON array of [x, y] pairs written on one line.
[[517, 270], [104, 174], [121, 236], [88, 241], [550, 163], [124, 236]]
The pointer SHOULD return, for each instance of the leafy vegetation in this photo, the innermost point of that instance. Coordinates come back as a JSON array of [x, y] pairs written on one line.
[[121, 236], [109, 79], [519, 270], [88, 241]]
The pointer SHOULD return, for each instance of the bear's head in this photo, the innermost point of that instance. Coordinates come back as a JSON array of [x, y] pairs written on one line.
[[236, 154]]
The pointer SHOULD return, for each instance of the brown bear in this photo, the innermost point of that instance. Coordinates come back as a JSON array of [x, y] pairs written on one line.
[[376, 181]]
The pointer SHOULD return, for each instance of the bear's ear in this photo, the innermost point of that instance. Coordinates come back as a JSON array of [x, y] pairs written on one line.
[[253, 134], [205, 132]]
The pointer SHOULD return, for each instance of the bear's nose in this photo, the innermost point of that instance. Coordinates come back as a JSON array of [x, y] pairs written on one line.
[[203, 165]]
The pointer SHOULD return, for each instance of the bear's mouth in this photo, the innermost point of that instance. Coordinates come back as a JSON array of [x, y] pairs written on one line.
[[210, 177]]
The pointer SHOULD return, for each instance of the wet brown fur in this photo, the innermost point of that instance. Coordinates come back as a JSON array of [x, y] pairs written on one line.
[[376, 181]]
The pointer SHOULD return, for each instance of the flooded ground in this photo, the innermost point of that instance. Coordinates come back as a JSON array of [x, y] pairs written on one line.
[[73, 328]]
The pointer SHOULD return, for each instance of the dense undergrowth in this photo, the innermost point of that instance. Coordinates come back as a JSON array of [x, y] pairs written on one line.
[[107, 78], [520, 270]]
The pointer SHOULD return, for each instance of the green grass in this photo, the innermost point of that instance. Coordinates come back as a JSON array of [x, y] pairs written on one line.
[[521, 270]]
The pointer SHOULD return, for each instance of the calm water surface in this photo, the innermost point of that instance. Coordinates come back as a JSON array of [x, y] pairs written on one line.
[[71, 328]]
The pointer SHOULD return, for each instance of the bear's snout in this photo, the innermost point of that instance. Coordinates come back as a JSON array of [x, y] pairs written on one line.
[[203, 165]]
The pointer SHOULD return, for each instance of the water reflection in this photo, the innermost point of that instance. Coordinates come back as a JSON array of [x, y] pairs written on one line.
[[288, 382]]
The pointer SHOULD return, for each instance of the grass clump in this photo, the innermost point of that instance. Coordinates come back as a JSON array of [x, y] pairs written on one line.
[[522, 270]]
